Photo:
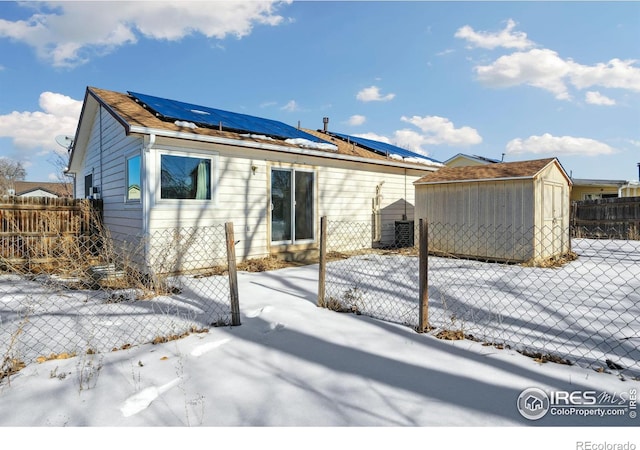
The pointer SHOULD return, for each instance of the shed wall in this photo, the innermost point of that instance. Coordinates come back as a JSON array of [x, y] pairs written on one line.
[[489, 219]]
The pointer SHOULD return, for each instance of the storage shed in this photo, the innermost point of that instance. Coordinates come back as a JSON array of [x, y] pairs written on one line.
[[515, 211]]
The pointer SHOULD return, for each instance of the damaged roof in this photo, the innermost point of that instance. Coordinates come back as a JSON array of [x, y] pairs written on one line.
[[136, 116]]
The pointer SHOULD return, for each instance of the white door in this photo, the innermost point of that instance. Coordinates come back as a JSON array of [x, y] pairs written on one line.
[[554, 236]]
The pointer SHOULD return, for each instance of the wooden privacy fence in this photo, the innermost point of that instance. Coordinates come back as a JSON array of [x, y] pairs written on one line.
[[617, 218], [32, 228]]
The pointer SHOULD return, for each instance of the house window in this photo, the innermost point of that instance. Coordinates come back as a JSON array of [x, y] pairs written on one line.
[[88, 185], [133, 179], [185, 177]]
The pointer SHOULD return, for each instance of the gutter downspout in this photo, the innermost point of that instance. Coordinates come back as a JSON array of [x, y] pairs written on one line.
[[146, 192]]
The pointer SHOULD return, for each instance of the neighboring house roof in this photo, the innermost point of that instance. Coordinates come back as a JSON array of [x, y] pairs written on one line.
[[57, 189], [476, 158], [598, 183], [498, 171], [139, 118]]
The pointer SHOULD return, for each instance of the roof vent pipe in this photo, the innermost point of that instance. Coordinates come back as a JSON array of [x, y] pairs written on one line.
[[325, 121]]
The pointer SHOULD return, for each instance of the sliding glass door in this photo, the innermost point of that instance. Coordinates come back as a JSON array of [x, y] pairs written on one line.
[[292, 206]]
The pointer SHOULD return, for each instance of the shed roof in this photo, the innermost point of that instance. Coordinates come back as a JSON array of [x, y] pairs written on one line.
[[497, 171]]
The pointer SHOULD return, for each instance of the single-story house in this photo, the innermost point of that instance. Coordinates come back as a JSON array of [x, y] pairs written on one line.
[[515, 211], [158, 164], [42, 189], [463, 160], [591, 189]]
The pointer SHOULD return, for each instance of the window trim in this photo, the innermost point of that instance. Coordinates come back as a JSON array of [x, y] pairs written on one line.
[[128, 158], [213, 158]]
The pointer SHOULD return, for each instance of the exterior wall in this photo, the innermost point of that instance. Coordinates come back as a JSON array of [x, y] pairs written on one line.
[[592, 192], [630, 190], [105, 160], [344, 190], [514, 220], [488, 219], [462, 161]]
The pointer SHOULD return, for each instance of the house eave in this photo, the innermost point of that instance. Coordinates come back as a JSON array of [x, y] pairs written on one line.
[[274, 147], [476, 180]]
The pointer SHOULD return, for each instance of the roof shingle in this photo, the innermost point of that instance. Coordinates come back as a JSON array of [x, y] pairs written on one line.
[[519, 169]]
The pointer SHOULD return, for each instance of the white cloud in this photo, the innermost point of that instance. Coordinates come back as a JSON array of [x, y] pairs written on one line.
[[433, 130], [411, 140], [543, 68], [596, 98], [445, 52], [37, 130], [356, 120], [67, 33], [372, 94], [268, 104], [441, 131], [614, 74], [374, 137], [506, 38], [563, 145], [291, 106], [539, 68]]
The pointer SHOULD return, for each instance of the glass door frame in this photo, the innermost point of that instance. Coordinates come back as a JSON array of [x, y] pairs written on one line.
[[292, 223]]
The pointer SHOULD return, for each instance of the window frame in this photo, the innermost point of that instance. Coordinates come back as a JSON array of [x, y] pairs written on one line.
[[127, 183], [186, 153]]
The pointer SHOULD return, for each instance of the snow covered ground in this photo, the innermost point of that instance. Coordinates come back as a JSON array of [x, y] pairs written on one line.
[[292, 364], [585, 311]]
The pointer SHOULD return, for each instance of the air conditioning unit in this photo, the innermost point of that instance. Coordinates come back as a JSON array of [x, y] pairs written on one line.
[[404, 233]]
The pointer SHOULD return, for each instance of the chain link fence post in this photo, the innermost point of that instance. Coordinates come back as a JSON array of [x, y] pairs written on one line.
[[233, 274], [323, 261], [423, 319]]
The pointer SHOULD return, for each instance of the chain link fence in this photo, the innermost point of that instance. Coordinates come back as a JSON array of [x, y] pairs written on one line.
[[377, 279], [537, 290], [101, 292]]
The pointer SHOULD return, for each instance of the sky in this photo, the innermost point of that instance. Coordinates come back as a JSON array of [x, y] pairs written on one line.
[[308, 374], [505, 80]]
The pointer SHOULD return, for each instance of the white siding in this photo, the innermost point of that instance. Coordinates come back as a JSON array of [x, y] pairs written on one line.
[[344, 191], [501, 219], [492, 219], [106, 151]]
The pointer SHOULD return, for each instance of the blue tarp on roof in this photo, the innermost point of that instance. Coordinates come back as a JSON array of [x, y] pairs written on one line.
[[381, 147], [215, 118]]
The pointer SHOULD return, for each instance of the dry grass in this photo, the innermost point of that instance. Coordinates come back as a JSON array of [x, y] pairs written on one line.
[[552, 262], [53, 356], [265, 264]]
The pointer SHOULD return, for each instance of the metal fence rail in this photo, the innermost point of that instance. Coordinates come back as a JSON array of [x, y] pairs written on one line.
[[575, 302], [116, 293]]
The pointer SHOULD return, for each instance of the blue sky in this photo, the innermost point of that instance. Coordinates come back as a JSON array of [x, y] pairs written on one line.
[[524, 79]]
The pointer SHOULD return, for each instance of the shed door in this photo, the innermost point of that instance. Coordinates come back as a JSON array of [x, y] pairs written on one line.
[[553, 233], [292, 206]]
